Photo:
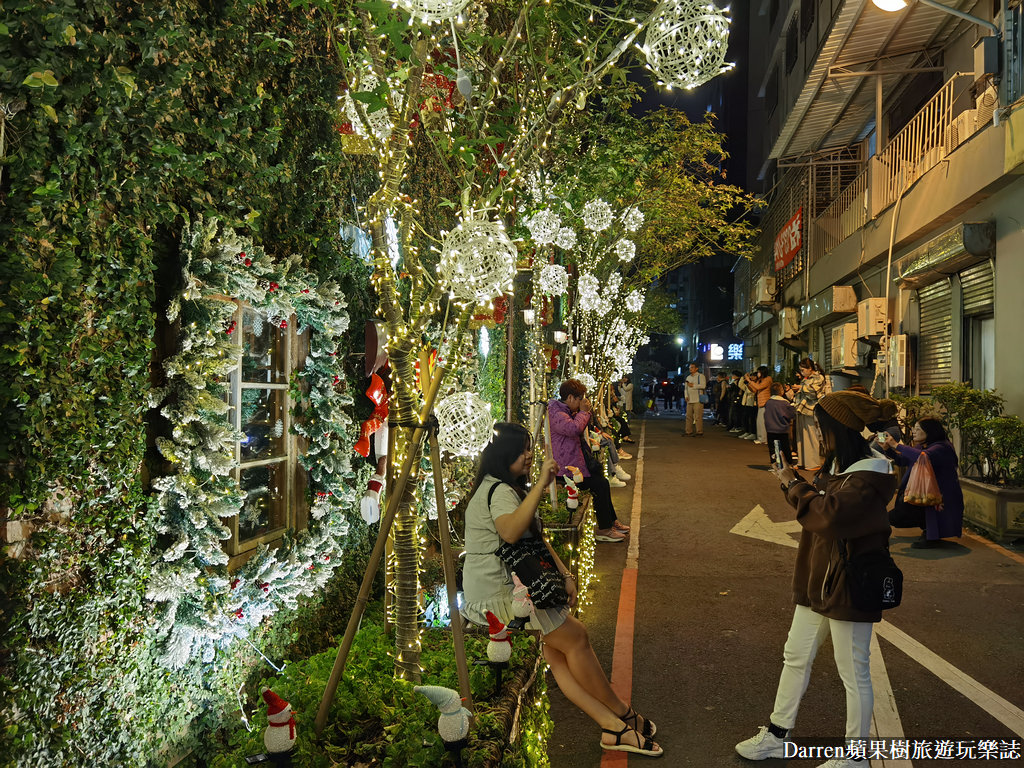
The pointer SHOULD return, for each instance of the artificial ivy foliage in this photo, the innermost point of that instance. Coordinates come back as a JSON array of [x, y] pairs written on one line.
[[122, 120]]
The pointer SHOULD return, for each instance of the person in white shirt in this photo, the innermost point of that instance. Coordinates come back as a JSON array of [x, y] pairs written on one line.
[[696, 382]]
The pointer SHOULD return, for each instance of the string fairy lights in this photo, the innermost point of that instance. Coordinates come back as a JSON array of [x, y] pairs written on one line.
[[686, 43]]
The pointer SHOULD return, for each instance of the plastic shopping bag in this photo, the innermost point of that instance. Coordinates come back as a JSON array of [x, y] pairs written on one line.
[[922, 487]]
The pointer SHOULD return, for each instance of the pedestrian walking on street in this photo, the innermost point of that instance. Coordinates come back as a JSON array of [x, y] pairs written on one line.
[[851, 513], [502, 510], [693, 389]]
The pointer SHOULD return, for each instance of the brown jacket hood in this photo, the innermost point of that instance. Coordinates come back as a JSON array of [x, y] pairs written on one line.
[[853, 506]]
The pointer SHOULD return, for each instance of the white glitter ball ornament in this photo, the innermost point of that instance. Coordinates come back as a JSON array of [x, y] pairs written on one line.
[[553, 280], [377, 122], [430, 11], [632, 218], [464, 424], [566, 238], [544, 227], [478, 261], [686, 43], [597, 215], [625, 249]]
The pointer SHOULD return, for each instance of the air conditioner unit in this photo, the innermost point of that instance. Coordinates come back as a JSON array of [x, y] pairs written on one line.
[[987, 103], [872, 317], [789, 322], [897, 356], [962, 128], [764, 291], [845, 346]]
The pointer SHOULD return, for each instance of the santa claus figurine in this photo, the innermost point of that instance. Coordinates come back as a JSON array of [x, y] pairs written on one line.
[[573, 499], [279, 738], [522, 605]]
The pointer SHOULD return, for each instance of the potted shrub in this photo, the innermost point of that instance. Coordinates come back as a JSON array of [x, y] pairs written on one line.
[[991, 457]]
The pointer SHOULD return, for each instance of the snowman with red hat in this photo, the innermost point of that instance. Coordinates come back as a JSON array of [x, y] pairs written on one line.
[[279, 738]]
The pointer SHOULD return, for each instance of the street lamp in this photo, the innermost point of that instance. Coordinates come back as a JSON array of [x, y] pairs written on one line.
[[899, 5]]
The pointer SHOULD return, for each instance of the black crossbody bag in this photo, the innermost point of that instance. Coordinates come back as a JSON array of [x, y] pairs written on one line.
[[873, 578], [532, 563]]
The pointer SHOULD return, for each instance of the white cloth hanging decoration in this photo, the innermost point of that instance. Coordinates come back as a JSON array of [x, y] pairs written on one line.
[[377, 122], [544, 227], [566, 238], [625, 250], [597, 215], [686, 43], [553, 280], [632, 219], [478, 261], [464, 424], [429, 11]]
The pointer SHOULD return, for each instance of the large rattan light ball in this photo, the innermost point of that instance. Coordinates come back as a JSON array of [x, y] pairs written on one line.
[[553, 280], [464, 424], [478, 261], [686, 43], [597, 215], [377, 122], [544, 227], [566, 238], [430, 11], [635, 301], [625, 249], [632, 218], [587, 381]]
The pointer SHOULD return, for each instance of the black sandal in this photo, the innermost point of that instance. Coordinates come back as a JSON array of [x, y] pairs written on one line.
[[647, 745], [649, 727]]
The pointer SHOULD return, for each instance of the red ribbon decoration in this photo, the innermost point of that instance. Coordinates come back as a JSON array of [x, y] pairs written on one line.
[[379, 395]]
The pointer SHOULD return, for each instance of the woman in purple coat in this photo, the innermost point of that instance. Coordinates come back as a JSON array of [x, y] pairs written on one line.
[[945, 520]]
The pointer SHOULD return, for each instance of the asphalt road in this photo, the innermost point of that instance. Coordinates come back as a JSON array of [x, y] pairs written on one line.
[[713, 608]]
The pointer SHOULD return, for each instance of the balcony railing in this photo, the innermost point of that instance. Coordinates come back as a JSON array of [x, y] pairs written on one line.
[[917, 148], [845, 215]]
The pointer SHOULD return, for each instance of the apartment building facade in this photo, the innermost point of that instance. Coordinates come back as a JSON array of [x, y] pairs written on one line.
[[889, 149]]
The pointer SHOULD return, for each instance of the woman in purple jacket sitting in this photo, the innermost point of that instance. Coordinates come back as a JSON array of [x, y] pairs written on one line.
[[569, 417], [946, 519]]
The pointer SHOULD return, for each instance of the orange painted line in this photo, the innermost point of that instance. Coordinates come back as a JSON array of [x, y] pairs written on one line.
[[622, 656], [992, 545]]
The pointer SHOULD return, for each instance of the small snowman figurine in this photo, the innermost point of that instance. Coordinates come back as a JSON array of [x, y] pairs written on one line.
[[279, 738], [453, 723], [499, 649]]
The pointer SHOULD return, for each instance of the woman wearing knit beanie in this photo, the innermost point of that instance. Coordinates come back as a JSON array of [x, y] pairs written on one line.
[[849, 512]]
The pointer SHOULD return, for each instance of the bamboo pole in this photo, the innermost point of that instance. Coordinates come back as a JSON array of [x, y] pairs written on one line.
[[449, 574], [371, 567]]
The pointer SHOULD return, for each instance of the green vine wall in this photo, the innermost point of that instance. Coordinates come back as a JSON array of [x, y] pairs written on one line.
[[122, 121]]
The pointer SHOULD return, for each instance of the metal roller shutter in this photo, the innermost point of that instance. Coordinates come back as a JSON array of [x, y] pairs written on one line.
[[977, 285], [935, 341]]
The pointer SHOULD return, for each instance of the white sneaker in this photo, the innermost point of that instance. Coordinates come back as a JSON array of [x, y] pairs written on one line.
[[750, 436], [614, 482], [622, 474], [843, 762], [737, 429], [762, 746], [624, 455]]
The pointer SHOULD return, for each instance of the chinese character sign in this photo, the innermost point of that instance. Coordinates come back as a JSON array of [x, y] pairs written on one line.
[[735, 352], [789, 240]]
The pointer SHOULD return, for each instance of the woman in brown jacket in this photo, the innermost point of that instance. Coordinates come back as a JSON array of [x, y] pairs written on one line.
[[850, 511]]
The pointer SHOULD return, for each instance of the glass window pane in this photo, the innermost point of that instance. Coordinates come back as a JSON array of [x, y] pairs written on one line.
[[262, 350], [264, 507], [263, 412]]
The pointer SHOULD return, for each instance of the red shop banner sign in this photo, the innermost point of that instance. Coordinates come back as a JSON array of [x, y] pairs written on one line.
[[789, 240]]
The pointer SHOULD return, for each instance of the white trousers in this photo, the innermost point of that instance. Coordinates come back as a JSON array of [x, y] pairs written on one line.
[[762, 432], [851, 646]]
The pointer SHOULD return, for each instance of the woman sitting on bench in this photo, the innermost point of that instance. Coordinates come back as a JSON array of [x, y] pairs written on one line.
[[503, 509]]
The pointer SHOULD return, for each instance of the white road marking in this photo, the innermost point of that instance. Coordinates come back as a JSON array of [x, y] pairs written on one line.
[[885, 718], [757, 525], [633, 555], [992, 703]]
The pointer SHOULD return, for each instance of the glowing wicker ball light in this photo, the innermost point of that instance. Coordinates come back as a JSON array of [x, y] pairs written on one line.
[[377, 122], [464, 424], [566, 238], [553, 280], [632, 219], [430, 11], [635, 301], [686, 43], [589, 291], [625, 249], [478, 261], [544, 227], [587, 381], [597, 215]]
